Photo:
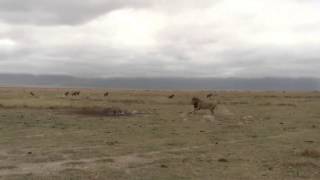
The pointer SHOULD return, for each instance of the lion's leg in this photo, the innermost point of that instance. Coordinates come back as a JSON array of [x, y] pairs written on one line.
[[196, 109], [212, 110]]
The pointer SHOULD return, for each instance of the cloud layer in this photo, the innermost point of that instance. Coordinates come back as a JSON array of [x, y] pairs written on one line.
[[222, 38]]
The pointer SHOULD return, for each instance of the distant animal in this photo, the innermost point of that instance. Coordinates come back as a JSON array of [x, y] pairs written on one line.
[[106, 94], [198, 104], [209, 95], [171, 96], [32, 94], [75, 93], [66, 93]]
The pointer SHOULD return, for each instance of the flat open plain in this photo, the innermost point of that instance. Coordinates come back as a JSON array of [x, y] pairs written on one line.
[[253, 135]]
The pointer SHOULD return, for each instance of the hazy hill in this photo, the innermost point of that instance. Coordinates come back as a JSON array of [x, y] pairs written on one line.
[[307, 84]]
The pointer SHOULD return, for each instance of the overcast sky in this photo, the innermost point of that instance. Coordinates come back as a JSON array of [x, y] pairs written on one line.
[[152, 38]]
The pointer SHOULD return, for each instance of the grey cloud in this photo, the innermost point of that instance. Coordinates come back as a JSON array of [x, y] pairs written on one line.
[[53, 12], [86, 61], [184, 50], [73, 12], [272, 61]]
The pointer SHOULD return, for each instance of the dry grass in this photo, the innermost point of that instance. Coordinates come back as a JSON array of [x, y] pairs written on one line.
[[287, 104], [311, 153], [145, 135]]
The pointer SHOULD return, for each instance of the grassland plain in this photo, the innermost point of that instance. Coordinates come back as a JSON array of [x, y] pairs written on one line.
[[253, 135]]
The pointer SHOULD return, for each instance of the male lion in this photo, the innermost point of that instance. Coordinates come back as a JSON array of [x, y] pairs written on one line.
[[198, 104]]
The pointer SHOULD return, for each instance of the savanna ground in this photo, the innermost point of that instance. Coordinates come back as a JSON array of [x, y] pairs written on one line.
[[254, 135]]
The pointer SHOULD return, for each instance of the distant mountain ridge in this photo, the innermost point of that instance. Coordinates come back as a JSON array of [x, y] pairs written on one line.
[[295, 84]]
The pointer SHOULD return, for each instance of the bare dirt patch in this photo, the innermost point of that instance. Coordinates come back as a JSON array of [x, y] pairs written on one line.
[[110, 111], [7, 167], [117, 162]]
